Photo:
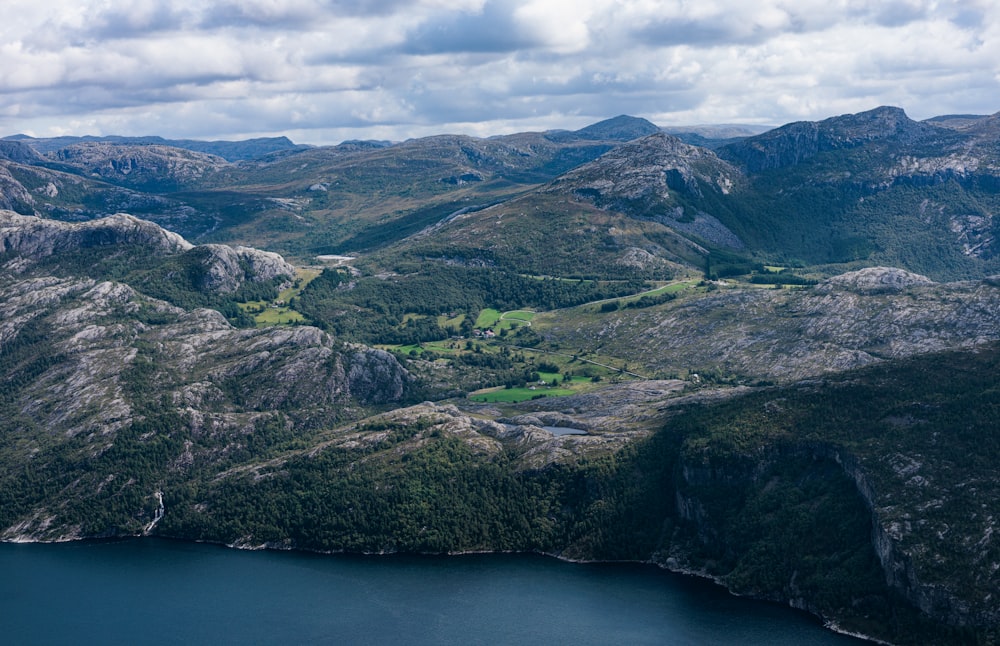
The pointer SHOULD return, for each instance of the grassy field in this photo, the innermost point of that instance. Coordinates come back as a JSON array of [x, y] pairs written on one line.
[[515, 395], [670, 288], [454, 324], [487, 318], [278, 312], [279, 316]]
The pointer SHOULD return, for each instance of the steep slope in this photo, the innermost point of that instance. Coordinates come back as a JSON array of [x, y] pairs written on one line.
[[107, 393], [916, 439], [34, 189], [796, 142], [875, 187], [642, 209], [121, 245]]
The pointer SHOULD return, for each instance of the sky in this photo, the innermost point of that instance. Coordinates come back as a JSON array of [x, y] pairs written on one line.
[[324, 71]]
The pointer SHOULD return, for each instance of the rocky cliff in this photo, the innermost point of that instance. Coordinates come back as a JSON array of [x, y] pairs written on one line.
[[28, 241], [796, 142], [903, 450], [35, 238], [104, 385]]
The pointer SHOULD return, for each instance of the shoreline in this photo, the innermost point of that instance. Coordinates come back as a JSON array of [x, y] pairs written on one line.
[[826, 623]]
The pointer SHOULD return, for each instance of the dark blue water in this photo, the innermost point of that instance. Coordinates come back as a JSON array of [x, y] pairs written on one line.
[[163, 592]]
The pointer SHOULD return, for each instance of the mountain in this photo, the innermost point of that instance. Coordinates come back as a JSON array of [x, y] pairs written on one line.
[[620, 128], [874, 188], [797, 142], [229, 150], [774, 360], [714, 136], [119, 244], [147, 168]]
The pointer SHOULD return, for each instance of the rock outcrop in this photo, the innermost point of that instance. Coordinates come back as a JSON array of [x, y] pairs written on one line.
[[845, 322], [35, 238], [27, 240], [150, 167]]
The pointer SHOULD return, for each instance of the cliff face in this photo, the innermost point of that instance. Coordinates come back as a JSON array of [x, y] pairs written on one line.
[[883, 478], [111, 393]]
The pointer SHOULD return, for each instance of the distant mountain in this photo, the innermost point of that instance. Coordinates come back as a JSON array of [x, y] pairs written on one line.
[[796, 142], [957, 121], [714, 136], [20, 152], [874, 188], [151, 168], [228, 150], [620, 128]]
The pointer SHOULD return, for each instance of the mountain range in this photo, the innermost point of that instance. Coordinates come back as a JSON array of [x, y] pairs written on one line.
[[769, 357]]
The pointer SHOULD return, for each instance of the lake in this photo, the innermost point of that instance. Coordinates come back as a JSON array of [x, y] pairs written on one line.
[[153, 591]]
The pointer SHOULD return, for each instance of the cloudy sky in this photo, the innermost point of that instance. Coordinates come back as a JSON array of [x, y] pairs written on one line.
[[321, 71]]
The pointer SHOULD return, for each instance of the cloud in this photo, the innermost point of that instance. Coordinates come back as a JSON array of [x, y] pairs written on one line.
[[492, 28], [395, 68]]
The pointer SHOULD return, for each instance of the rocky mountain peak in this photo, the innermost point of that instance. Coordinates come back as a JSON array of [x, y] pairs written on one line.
[[620, 128], [228, 267], [31, 239], [796, 142], [653, 165]]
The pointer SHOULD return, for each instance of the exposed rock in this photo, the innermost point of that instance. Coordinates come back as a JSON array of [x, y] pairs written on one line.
[[19, 152], [228, 267], [37, 238], [876, 280], [796, 142], [139, 166], [846, 322], [30, 239], [13, 195]]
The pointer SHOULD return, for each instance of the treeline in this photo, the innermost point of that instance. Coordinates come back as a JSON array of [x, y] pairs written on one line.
[[372, 310]]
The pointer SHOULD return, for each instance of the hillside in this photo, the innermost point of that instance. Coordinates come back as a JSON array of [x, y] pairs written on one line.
[[771, 362], [859, 190], [748, 333]]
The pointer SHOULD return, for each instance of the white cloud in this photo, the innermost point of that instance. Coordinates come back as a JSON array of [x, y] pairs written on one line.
[[324, 69]]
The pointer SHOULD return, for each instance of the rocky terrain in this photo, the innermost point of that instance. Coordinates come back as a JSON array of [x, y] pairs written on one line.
[[153, 168], [845, 322], [95, 368]]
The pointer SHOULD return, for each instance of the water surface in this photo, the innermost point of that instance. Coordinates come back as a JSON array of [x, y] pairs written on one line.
[[153, 591]]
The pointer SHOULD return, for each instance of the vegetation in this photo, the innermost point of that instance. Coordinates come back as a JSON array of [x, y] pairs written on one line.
[[479, 283], [379, 310]]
